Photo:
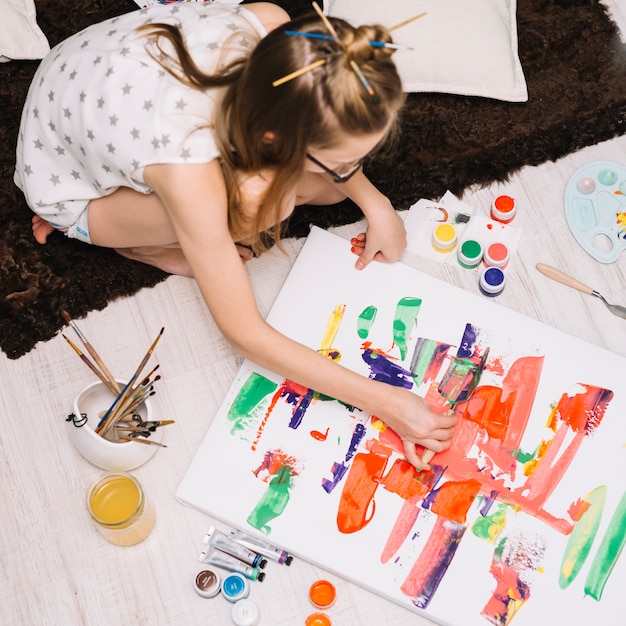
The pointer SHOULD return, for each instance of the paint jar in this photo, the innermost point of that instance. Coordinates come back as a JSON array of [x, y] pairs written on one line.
[[503, 209], [207, 583], [496, 255], [246, 613], [235, 587], [115, 456], [470, 254], [120, 510], [318, 619], [322, 594], [491, 281], [444, 238]]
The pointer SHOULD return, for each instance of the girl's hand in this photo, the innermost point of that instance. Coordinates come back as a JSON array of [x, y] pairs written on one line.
[[411, 419], [385, 240]]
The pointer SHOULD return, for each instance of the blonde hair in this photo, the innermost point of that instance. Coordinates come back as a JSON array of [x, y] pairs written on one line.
[[257, 125]]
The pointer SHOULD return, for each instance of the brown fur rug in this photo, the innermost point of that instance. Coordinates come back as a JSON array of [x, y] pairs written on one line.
[[575, 67]]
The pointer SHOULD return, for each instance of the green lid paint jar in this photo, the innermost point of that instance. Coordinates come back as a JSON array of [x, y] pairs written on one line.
[[470, 254]]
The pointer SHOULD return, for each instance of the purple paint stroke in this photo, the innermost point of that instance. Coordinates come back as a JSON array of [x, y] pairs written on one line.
[[384, 370], [339, 469]]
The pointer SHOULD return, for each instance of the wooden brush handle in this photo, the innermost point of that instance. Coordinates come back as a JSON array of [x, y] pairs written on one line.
[[561, 277]]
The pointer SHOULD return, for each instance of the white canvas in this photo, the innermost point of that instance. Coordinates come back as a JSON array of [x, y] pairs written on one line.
[[510, 541]]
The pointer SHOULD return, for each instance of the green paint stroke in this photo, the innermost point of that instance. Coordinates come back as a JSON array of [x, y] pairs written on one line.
[[365, 320], [608, 552], [249, 400], [489, 527], [582, 537], [406, 314], [422, 359], [273, 502]]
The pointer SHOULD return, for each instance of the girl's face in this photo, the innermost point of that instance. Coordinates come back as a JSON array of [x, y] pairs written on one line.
[[345, 159]]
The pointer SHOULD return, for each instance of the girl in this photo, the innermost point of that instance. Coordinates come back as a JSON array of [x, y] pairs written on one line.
[[180, 134]]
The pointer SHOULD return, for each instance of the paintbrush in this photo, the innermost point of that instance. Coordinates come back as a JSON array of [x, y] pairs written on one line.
[[464, 396], [91, 366], [148, 442], [105, 422], [94, 355]]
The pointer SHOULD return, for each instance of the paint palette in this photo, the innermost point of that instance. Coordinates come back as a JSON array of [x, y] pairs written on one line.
[[595, 209]]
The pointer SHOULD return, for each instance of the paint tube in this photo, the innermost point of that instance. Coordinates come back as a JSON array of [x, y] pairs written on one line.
[[216, 557], [221, 541], [262, 547]]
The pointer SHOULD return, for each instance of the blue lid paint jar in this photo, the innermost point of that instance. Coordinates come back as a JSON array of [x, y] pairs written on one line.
[[491, 281], [235, 587]]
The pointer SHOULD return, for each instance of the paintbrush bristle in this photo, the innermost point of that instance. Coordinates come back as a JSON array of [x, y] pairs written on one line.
[[66, 316]]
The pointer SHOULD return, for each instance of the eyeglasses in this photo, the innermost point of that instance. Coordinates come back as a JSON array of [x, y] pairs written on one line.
[[341, 174]]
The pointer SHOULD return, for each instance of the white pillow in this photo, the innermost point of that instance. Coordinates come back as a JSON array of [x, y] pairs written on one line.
[[464, 47], [20, 36]]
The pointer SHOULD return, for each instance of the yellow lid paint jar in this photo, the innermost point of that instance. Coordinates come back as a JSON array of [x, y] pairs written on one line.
[[444, 238]]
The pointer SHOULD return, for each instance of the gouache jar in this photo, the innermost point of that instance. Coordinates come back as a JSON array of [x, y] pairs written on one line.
[[496, 255], [235, 587], [491, 281], [470, 254], [245, 613], [318, 619], [322, 594], [503, 209], [118, 506], [444, 238], [207, 583]]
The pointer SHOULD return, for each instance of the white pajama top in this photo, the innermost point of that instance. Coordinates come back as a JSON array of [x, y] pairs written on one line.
[[100, 108]]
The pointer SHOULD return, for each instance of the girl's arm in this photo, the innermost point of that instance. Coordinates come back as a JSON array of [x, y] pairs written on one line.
[[195, 199]]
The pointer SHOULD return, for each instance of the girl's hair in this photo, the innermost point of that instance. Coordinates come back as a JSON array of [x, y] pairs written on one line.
[[258, 125]]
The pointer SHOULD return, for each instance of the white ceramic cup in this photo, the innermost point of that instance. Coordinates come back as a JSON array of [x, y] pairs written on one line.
[[109, 455]]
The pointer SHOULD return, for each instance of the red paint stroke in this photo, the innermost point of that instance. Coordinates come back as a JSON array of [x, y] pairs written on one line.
[[433, 562], [272, 461], [514, 557], [316, 434], [411, 486]]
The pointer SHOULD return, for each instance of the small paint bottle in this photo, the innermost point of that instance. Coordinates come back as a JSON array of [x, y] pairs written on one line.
[[496, 255], [235, 587], [444, 237], [503, 209], [470, 254], [207, 583], [322, 594], [318, 619], [246, 613], [491, 281]]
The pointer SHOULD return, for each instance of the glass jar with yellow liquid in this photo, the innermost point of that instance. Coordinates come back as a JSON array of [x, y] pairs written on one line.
[[120, 510]]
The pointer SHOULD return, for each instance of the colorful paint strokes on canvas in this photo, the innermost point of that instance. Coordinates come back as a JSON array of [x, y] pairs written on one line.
[[487, 447], [518, 522]]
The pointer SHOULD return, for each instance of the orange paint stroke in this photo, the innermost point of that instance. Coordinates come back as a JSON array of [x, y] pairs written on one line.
[[356, 505]]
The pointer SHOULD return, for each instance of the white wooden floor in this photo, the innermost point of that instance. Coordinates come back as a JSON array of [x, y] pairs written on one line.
[[56, 569]]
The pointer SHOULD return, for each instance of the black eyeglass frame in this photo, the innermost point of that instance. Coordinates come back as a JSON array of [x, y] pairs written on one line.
[[337, 178]]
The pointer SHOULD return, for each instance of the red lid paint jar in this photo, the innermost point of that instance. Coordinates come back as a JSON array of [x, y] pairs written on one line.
[[470, 254], [496, 255], [503, 209], [444, 237], [491, 281]]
